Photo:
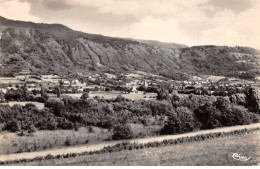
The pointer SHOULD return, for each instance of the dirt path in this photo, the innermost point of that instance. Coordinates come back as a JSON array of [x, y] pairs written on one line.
[[86, 148]]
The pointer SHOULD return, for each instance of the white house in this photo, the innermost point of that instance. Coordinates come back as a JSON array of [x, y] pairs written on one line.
[[66, 82]]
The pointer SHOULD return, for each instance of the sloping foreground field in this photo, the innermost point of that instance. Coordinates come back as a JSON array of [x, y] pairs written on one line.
[[218, 151], [98, 147]]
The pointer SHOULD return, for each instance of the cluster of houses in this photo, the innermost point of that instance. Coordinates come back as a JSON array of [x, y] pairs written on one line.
[[100, 82], [33, 82], [199, 86]]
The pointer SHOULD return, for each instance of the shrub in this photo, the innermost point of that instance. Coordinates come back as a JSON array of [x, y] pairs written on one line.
[[120, 98], [122, 132], [67, 142], [49, 156]]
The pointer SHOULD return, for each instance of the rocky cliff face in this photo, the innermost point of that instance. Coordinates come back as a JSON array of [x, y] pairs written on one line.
[[55, 48]]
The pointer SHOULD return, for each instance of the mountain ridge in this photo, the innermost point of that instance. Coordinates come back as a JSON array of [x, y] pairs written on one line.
[[55, 48], [31, 25]]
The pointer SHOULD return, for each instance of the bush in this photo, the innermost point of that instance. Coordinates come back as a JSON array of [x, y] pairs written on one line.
[[120, 98], [67, 142], [41, 99], [122, 132], [12, 126]]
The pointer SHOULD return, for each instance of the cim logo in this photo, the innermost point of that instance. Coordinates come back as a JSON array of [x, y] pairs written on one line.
[[239, 157]]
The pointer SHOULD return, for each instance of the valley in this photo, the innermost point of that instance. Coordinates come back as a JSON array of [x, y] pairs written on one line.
[[63, 92]]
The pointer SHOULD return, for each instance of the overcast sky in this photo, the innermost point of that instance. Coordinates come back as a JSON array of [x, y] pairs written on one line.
[[190, 22]]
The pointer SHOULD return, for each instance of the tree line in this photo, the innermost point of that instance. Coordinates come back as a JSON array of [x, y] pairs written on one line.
[[174, 113]]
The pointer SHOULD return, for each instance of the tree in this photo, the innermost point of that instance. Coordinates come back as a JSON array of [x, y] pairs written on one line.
[[44, 94], [172, 124], [120, 98], [42, 91], [252, 100], [122, 132], [13, 126], [22, 94], [84, 96], [56, 105], [61, 83], [238, 99], [222, 103], [51, 124], [209, 116], [236, 115], [2, 97], [58, 91], [163, 95], [179, 121], [34, 92], [248, 75], [186, 118]]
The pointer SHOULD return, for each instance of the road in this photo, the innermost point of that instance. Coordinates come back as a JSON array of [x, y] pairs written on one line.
[[94, 147]]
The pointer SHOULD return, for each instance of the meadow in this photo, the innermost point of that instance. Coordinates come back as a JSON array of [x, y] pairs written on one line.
[[41, 140], [112, 95], [37, 104], [47, 139], [213, 152]]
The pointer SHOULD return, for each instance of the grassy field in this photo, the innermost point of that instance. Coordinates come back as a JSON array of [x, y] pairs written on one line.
[[113, 95], [217, 151], [109, 95], [42, 140], [215, 78], [37, 104]]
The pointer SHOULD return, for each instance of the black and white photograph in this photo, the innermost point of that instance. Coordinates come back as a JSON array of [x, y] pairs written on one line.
[[129, 83]]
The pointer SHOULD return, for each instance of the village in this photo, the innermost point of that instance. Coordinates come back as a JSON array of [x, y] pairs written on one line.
[[132, 86]]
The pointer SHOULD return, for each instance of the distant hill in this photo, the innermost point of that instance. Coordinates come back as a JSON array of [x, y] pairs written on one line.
[[54, 48]]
